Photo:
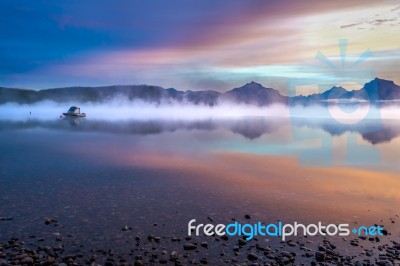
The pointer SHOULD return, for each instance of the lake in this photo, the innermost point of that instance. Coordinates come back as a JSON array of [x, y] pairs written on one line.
[[124, 191]]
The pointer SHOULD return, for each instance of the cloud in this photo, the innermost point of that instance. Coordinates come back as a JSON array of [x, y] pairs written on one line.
[[350, 25], [376, 20], [396, 8], [165, 43], [382, 21]]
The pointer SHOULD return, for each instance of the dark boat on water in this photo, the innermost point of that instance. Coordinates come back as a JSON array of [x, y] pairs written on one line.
[[74, 112]]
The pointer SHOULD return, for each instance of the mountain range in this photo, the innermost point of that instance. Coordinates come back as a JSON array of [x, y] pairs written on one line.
[[252, 93]]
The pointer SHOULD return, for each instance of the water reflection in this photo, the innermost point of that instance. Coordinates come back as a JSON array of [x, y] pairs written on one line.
[[110, 174], [252, 128], [73, 121]]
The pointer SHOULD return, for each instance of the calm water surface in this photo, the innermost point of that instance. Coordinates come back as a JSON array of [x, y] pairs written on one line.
[[97, 176]]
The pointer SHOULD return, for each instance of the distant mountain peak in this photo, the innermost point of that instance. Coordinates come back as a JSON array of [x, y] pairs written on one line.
[[254, 93], [381, 84], [338, 88], [379, 80], [251, 86], [253, 83]]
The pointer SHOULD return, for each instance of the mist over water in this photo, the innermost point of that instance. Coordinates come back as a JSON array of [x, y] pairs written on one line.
[[140, 110], [134, 110], [275, 129]]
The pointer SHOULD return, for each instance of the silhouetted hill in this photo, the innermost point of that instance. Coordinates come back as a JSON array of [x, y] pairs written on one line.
[[376, 91], [18, 95], [255, 94], [379, 89]]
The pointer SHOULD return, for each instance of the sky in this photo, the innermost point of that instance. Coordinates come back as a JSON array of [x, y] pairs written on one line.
[[197, 45]]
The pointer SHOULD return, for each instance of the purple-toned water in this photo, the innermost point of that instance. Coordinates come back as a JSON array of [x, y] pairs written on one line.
[[97, 178]]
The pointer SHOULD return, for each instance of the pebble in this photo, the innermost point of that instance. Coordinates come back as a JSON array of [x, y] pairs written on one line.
[[50, 220], [139, 263], [259, 247], [189, 246], [286, 254], [242, 242], [204, 260], [320, 256], [174, 255], [27, 260], [252, 257]]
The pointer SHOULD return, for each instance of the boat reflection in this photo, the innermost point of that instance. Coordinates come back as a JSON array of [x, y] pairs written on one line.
[[72, 120]]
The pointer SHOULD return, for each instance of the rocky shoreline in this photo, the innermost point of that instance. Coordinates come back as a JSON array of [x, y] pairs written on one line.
[[185, 250]]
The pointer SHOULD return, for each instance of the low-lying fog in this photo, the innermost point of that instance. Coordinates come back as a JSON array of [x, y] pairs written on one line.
[[141, 110]]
